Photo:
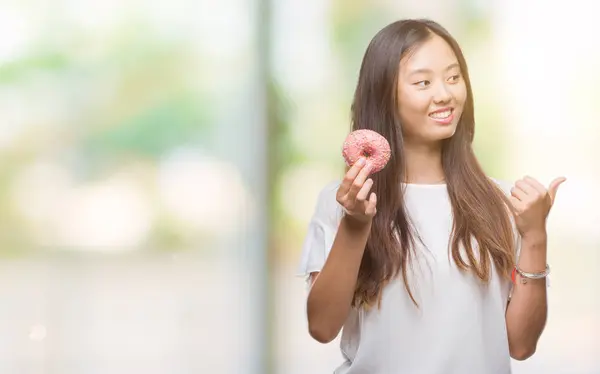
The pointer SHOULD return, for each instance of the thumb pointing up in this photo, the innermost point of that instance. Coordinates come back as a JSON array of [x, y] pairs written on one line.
[[553, 188]]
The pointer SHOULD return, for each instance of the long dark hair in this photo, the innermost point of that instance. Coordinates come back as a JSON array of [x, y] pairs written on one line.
[[480, 208]]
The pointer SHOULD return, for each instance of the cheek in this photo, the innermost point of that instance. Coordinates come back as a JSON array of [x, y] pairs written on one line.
[[460, 93], [413, 110], [414, 104]]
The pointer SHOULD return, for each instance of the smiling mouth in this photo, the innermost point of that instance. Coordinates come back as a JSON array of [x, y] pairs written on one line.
[[441, 115]]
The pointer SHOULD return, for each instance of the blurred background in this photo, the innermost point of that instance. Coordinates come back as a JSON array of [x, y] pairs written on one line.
[[160, 161]]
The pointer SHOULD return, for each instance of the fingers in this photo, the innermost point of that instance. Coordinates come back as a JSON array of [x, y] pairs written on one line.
[[351, 176], [371, 205], [364, 191], [516, 204], [524, 190], [355, 188], [518, 193], [528, 188], [531, 189], [359, 182], [535, 184]]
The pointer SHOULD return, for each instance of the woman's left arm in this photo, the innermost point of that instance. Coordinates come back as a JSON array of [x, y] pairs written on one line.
[[528, 307], [527, 310]]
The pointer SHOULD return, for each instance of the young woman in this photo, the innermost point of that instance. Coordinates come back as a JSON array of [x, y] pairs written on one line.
[[414, 263]]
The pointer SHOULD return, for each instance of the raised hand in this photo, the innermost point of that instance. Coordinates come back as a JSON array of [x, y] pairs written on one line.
[[532, 203], [353, 193]]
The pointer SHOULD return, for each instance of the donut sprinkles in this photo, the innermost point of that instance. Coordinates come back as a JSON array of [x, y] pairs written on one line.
[[368, 144]]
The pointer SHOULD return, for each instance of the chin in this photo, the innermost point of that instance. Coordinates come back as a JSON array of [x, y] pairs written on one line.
[[442, 133]]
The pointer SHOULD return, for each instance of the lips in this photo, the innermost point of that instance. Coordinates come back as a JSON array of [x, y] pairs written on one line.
[[443, 116]]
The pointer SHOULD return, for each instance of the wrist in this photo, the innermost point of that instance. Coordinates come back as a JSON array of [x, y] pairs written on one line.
[[537, 235], [534, 243], [357, 225]]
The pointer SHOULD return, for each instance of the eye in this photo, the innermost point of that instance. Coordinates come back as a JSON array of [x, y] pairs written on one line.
[[422, 83], [454, 78]]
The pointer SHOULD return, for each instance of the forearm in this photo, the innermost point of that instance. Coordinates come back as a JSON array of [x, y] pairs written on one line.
[[527, 311], [331, 295]]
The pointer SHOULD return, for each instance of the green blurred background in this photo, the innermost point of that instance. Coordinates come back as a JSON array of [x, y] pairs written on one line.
[[160, 161]]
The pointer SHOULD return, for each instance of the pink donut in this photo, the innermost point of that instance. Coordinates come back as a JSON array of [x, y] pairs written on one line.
[[369, 144]]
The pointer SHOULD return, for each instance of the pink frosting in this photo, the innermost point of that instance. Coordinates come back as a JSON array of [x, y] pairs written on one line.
[[369, 144]]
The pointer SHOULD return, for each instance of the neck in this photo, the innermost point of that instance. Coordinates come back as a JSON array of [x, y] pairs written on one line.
[[424, 163]]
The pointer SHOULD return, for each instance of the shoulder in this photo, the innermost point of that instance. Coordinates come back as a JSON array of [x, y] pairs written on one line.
[[327, 208], [504, 185], [329, 191]]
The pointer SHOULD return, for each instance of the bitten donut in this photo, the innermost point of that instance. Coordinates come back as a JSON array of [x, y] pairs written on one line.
[[369, 144]]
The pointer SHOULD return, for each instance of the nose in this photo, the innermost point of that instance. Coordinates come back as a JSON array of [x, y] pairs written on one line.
[[442, 94]]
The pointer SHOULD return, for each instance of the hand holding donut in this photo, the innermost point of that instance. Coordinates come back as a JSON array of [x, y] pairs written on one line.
[[368, 144], [532, 202], [366, 152], [353, 193]]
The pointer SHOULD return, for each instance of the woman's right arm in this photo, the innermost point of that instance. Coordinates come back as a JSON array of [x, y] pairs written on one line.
[[332, 291]]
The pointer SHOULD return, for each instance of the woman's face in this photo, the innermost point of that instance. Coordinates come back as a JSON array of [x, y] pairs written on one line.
[[431, 92]]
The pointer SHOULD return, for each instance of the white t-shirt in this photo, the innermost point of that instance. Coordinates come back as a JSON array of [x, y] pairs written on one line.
[[460, 327]]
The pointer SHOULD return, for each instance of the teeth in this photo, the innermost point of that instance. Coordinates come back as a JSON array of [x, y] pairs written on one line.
[[441, 115]]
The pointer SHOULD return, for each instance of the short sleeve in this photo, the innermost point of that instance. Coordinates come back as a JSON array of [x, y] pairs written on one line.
[[322, 229]]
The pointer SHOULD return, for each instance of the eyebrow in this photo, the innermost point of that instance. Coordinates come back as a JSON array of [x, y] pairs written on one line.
[[449, 67]]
